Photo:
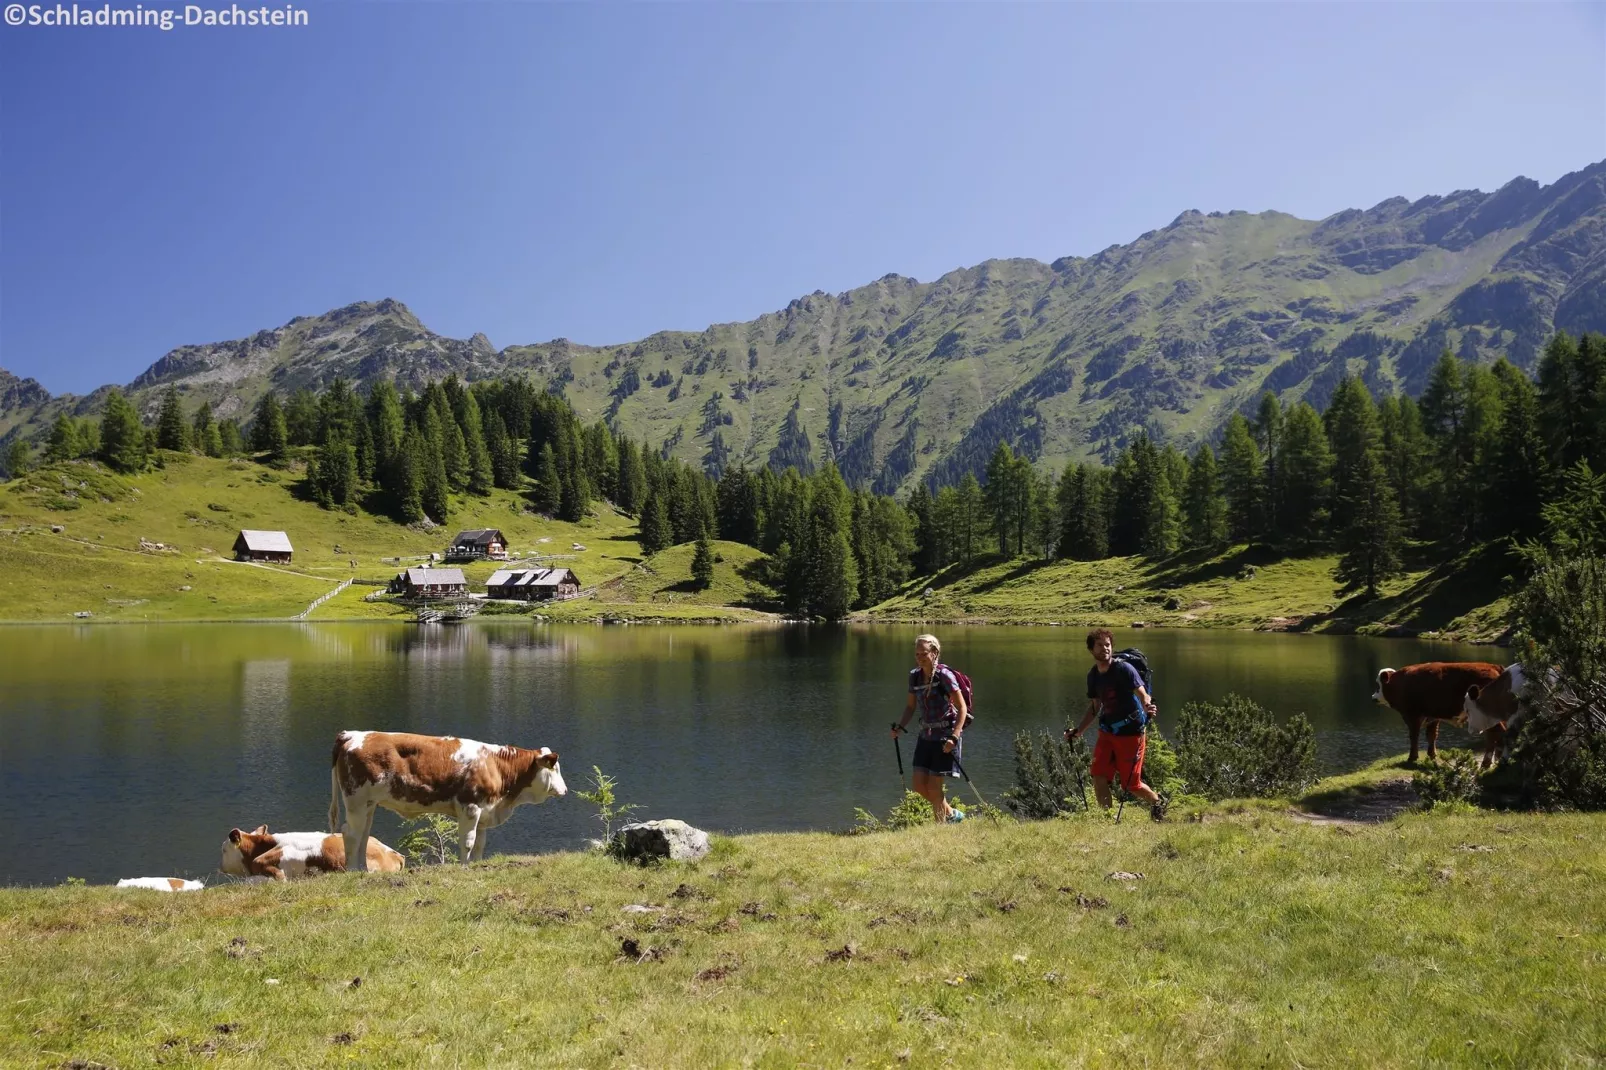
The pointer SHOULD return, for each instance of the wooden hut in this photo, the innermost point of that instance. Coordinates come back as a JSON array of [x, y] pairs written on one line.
[[430, 583], [263, 546], [533, 584], [476, 544]]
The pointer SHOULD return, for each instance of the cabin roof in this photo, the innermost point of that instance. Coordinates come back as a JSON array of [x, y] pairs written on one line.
[[435, 577], [478, 537], [269, 541]]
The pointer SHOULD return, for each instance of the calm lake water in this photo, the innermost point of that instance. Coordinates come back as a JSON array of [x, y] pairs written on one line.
[[131, 751]]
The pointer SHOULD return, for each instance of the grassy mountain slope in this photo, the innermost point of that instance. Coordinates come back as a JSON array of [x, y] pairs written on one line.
[[900, 379], [195, 507]]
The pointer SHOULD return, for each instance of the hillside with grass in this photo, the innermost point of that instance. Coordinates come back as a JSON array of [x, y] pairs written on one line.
[[902, 380], [157, 545], [1464, 599], [1239, 934]]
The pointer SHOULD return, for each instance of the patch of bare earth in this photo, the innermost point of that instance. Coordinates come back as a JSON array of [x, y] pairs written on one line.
[[1371, 804]]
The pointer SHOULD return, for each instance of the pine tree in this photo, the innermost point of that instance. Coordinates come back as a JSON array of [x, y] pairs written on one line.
[[655, 533], [548, 484], [829, 573], [1268, 431], [575, 488], [386, 424], [1306, 478], [1406, 459], [122, 436], [1243, 478], [205, 434], [1368, 517], [1045, 515], [927, 540], [503, 453], [269, 433], [737, 506], [17, 459], [407, 479], [434, 483], [1519, 461], [970, 519], [1000, 494], [702, 563], [602, 461], [172, 433], [64, 442], [1204, 509], [685, 513], [481, 478], [632, 480], [334, 475], [301, 418], [233, 438]]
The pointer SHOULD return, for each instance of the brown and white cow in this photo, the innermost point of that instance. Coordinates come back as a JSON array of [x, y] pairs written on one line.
[[477, 784], [161, 884], [1495, 708], [1429, 693], [292, 855]]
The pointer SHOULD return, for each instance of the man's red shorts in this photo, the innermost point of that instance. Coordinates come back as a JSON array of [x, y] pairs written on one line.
[[1119, 758]]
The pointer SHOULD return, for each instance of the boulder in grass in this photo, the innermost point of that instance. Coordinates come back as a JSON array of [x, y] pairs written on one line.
[[645, 841]]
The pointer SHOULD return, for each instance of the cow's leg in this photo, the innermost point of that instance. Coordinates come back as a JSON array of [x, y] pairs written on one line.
[[480, 837], [1433, 739], [1415, 725], [359, 823], [468, 824]]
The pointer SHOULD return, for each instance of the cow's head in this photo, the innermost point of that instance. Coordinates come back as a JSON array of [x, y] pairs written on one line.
[[548, 777], [1383, 678], [240, 846], [1469, 703]]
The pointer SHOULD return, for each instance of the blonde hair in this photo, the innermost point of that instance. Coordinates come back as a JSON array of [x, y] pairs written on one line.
[[931, 641]]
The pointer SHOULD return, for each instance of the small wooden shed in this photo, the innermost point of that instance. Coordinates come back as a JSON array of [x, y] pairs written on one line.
[[263, 546]]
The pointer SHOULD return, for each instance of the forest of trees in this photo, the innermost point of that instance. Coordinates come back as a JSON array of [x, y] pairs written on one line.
[[1476, 459]]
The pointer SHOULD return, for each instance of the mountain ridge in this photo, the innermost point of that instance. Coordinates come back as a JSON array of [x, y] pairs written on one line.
[[898, 380]]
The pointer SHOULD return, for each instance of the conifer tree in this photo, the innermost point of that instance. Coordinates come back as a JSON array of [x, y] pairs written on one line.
[[1243, 479], [1268, 434], [1368, 517], [575, 488], [928, 542], [1406, 459], [548, 484], [269, 434], [17, 459], [702, 563], [655, 533], [829, 573], [434, 484], [503, 453], [736, 506], [172, 433], [1204, 509], [64, 443], [301, 418], [481, 478], [407, 475], [122, 436], [233, 438], [386, 424], [206, 436], [1305, 475], [970, 519], [334, 473], [632, 480], [1519, 463]]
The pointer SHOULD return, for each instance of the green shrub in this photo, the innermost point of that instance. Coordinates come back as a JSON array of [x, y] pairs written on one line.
[[911, 810], [1047, 774], [1236, 749], [606, 800], [429, 840], [1452, 779], [1162, 767], [1560, 751]]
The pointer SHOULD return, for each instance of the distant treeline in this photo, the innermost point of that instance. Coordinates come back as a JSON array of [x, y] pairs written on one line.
[[1478, 458]]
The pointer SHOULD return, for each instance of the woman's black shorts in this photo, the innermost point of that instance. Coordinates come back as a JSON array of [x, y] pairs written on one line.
[[929, 756]]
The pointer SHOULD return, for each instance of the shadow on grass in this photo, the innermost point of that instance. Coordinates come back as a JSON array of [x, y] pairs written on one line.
[[1450, 590]]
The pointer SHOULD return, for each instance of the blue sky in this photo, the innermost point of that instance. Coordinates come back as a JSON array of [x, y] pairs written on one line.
[[601, 172]]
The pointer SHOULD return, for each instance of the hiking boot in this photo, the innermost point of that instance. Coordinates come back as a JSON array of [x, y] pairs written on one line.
[[1157, 811]]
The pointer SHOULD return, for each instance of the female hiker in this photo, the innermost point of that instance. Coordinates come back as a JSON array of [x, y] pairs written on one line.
[[934, 691]]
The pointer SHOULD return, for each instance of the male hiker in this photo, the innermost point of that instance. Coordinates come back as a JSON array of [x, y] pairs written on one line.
[[1118, 698]]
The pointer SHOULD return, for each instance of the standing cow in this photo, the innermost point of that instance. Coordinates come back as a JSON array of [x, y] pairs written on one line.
[[1494, 709], [1430, 692], [477, 784]]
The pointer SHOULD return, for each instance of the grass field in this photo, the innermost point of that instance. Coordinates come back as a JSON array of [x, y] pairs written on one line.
[[1240, 588], [1248, 937], [195, 507]]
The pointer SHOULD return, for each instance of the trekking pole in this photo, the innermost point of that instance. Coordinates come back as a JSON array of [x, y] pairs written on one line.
[[968, 780], [898, 749], [1124, 791]]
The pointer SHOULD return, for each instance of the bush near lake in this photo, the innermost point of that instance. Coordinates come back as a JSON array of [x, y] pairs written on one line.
[[1237, 749], [1452, 780], [1052, 778]]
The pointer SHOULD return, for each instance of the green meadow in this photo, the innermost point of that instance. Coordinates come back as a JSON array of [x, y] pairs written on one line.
[[1235, 935]]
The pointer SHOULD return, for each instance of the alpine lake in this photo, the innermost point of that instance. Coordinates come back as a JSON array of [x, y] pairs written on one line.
[[131, 751]]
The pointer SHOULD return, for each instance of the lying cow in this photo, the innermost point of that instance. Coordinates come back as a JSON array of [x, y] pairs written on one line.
[[1430, 693], [161, 884], [477, 784], [1495, 708], [285, 856]]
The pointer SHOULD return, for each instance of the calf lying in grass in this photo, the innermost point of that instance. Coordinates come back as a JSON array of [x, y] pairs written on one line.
[[289, 855]]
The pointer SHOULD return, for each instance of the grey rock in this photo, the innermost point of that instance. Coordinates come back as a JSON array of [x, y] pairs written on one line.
[[671, 839]]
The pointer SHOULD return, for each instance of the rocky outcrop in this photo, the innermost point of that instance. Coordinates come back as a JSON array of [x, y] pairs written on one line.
[[646, 841]]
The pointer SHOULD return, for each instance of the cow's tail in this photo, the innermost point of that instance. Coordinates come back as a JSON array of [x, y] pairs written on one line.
[[334, 787]]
